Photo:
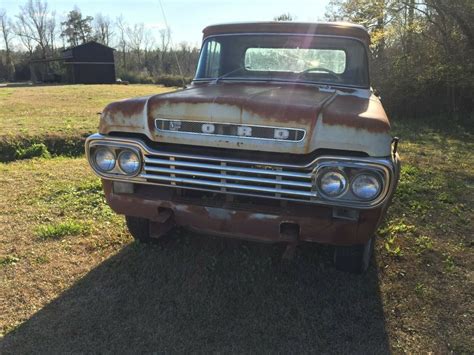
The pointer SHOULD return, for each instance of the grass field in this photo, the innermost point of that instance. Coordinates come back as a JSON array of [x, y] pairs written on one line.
[[72, 279], [61, 109], [58, 116]]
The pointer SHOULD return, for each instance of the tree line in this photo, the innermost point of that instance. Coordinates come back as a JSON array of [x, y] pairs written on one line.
[[36, 33], [422, 52]]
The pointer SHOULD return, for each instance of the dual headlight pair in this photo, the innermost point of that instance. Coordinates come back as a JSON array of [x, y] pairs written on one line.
[[336, 183], [116, 160]]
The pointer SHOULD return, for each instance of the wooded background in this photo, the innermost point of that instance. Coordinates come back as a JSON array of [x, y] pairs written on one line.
[[421, 53]]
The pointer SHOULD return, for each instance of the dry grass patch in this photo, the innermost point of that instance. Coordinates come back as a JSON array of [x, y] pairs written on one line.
[[61, 109], [37, 121]]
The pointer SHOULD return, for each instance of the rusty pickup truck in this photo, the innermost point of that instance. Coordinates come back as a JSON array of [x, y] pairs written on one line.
[[279, 138]]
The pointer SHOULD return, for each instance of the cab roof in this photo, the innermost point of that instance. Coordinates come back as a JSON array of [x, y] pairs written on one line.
[[345, 29]]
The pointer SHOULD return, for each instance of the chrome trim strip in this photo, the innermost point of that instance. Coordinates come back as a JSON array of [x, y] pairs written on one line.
[[231, 124], [385, 166], [230, 186], [228, 168], [225, 176]]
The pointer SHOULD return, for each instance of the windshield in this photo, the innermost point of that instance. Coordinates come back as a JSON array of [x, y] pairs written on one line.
[[327, 60]]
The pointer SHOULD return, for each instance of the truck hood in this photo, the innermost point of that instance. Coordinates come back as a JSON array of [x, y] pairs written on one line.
[[353, 120]]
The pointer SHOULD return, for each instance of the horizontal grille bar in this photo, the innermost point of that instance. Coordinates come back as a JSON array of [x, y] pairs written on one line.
[[227, 168], [228, 177], [229, 186]]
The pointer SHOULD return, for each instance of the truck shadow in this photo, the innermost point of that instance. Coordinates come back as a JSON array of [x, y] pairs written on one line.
[[199, 293]]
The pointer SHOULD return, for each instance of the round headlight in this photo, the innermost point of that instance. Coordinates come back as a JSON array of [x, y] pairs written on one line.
[[129, 162], [366, 186], [332, 183], [104, 159]]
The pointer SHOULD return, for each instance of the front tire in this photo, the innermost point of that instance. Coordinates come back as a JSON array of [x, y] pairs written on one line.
[[139, 228], [355, 258]]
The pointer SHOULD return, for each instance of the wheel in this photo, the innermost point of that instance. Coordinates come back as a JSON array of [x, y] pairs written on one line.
[[139, 228], [354, 258]]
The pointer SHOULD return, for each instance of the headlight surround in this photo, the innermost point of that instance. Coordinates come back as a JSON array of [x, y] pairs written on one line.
[[129, 162], [104, 159], [366, 186], [332, 183]]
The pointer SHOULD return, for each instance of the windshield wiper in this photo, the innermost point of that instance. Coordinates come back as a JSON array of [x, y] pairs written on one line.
[[227, 74]]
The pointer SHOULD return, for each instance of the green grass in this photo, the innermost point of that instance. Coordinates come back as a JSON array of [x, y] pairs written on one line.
[[8, 260], [99, 291], [61, 229]]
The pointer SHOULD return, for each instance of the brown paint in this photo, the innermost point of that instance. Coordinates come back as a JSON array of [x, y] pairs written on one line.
[[295, 103], [130, 107], [356, 112], [331, 29], [259, 223], [122, 112], [300, 104]]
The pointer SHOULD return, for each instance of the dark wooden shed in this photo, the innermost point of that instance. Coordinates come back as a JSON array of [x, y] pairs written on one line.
[[90, 63]]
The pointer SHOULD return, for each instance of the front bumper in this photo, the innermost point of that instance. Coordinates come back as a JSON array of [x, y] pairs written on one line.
[[253, 219]]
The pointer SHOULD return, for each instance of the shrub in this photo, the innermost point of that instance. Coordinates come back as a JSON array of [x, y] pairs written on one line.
[[172, 80], [137, 77], [37, 150]]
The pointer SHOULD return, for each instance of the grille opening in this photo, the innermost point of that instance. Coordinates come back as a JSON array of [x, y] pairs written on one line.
[[228, 176]]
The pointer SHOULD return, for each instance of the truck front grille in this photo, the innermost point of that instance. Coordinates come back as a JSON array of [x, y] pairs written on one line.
[[228, 176]]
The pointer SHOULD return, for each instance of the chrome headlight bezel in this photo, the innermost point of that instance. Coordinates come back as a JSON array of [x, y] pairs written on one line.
[[351, 170], [376, 178], [117, 150], [112, 158], [121, 163], [338, 173]]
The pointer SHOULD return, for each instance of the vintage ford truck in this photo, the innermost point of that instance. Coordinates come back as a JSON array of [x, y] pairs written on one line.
[[279, 138]]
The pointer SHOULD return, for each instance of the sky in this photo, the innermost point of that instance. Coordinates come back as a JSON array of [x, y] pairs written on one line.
[[186, 18]]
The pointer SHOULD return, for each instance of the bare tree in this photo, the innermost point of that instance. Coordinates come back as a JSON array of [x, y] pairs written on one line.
[[51, 30], [148, 44], [103, 29], [122, 33], [6, 29], [35, 25], [136, 36], [165, 40]]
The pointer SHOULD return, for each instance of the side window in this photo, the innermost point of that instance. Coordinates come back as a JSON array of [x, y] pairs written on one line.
[[213, 59]]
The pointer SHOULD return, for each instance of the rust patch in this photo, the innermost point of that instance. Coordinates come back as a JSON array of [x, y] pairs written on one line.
[[315, 222], [290, 103], [130, 107], [334, 28], [120, 112], [355, 112]]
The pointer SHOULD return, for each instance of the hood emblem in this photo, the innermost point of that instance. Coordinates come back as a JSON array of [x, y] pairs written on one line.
[[230, 130]]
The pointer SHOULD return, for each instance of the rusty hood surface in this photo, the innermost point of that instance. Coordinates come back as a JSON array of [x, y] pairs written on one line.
[[352, 120]]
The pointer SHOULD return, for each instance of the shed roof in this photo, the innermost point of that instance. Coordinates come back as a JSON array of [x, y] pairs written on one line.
[[346, 29], [88, 44]]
